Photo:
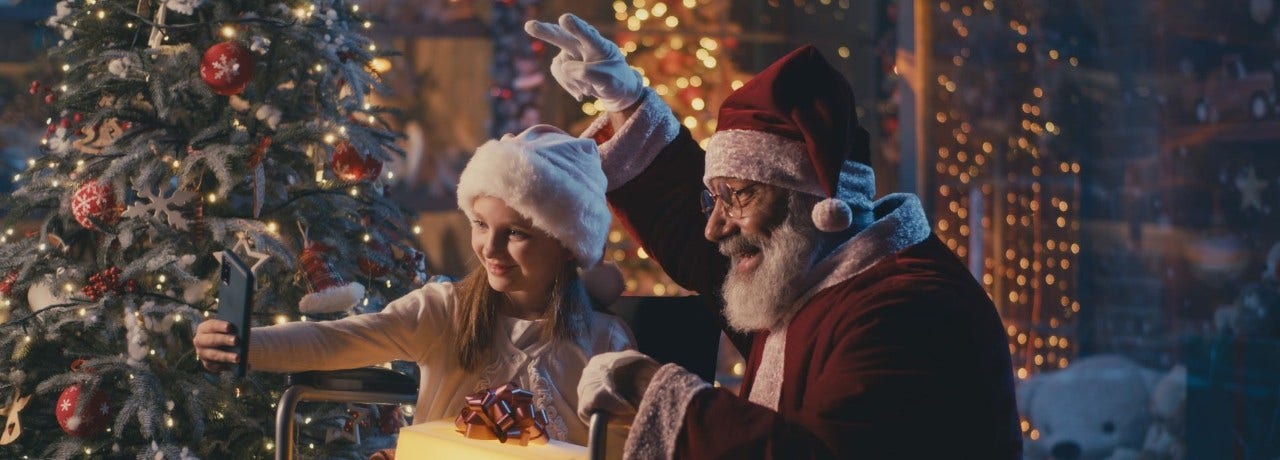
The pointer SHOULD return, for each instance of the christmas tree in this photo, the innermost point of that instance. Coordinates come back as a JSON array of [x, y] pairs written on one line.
[[181, 129]]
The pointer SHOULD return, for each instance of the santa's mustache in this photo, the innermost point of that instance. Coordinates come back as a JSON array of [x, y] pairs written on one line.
[[743, 244]]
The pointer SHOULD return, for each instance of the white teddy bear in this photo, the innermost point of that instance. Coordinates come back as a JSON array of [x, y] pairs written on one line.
[[1097, 408]]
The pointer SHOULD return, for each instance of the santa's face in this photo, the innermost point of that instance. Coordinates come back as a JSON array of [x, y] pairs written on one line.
[[768, 244]]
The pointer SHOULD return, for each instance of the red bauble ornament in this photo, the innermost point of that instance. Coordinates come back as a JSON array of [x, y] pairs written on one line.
[[227, 67], [350, 165], [94, 201], [93, 416]]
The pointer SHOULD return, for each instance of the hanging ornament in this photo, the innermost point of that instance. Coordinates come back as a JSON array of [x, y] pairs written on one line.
[[82, 420], [98, 136], [6, 285], [94, 202], [41, 295], [415, 262], [370, 266], [352, 166], [12, 424], [159, 205], [108, 282], [329, 292], [227, 67], [243, 246], [259, 174]]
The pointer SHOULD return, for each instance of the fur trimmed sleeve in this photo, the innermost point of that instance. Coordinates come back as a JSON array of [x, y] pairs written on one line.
[[630, 149], [660, 417]]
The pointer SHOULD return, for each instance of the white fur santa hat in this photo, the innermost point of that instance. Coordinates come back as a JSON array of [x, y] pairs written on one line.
[[550, 177], [794, 126]]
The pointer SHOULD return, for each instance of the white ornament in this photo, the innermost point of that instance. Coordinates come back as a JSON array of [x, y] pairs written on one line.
[[61, 11], [242, 246], [120, 67], [159, 206], [269, 114], [260, 45], [186, 7], [135, 336], [238, 103], [41, 295]]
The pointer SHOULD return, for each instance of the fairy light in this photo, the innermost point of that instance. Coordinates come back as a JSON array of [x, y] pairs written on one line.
[[417, 229], [1018, 233], [228, 32], [273, 227], [281, 319], [212, 198]]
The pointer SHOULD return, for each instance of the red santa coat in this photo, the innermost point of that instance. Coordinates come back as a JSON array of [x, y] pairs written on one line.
[[896, 353]]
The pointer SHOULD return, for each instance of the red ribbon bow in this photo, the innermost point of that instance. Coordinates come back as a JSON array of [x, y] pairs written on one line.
[[503, 413]]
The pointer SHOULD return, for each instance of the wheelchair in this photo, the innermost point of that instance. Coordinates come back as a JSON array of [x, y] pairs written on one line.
[[681, 330]]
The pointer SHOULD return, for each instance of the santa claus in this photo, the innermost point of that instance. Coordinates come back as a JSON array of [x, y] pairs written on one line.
[[870, 339]]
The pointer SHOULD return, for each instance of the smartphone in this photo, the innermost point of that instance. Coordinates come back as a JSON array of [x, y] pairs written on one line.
[[235, 300]]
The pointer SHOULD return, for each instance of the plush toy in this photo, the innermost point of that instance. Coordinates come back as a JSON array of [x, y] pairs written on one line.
[[1167, 434], [1096, 408]]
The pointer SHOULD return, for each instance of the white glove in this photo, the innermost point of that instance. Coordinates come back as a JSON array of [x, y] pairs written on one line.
[[589, 64], [614, 383]]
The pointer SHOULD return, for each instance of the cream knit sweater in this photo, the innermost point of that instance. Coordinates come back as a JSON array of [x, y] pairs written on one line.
[[417, 327]]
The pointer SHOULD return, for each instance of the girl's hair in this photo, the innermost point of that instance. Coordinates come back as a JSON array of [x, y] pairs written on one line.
[[476, 321]]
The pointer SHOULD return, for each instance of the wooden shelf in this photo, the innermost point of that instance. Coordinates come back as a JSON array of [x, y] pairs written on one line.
[[1243, 131]]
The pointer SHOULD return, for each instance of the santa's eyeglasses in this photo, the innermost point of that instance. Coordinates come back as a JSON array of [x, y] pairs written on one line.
[[735, 201]]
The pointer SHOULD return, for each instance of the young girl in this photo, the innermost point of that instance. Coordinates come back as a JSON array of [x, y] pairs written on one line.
[[538, 215]]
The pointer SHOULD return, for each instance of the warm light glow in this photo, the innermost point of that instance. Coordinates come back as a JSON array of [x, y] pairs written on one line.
[[380, 64], [281, 319], [228, 32]]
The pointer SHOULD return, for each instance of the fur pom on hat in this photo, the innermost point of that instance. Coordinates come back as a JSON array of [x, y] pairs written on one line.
[[794, 126], [550, 177]]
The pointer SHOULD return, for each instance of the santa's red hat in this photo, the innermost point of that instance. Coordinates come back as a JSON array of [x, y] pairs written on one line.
[[794, 126]]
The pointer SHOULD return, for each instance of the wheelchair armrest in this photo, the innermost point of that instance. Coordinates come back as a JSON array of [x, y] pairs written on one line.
[[366, 379]]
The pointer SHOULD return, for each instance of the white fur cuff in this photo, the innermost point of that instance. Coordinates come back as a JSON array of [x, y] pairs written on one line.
[[634, 146], [661, 414]]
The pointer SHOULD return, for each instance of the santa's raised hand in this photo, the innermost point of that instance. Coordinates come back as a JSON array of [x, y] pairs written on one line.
[[588, 63]]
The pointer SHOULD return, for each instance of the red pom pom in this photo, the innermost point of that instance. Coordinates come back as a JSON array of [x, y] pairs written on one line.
[[227, 67], [93, 417], [94, 201], [350, 165]]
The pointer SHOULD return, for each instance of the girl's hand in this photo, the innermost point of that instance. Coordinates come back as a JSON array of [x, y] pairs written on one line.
[[211, 336]]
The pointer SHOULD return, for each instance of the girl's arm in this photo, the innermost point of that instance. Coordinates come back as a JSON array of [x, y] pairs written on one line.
[[409, 328]]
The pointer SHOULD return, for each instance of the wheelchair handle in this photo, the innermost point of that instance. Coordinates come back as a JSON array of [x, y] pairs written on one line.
[[599, 428]]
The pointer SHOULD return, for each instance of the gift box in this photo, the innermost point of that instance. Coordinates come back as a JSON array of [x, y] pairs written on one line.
[[440, 439], [496, 423]]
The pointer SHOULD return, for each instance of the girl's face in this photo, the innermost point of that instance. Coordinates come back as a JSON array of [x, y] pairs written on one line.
[[519, 258]]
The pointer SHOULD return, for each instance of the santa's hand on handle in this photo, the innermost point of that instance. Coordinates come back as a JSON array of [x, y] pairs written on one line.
[[613, 384], [589, 64]]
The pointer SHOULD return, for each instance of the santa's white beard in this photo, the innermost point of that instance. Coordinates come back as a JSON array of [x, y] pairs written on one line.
[[762, 298]]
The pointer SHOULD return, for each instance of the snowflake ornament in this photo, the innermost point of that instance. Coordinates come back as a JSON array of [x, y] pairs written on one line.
[[160, 205]]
